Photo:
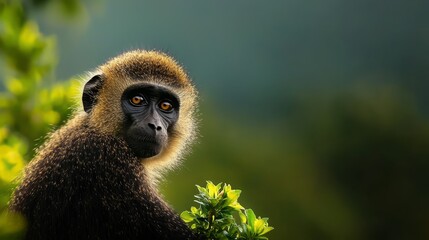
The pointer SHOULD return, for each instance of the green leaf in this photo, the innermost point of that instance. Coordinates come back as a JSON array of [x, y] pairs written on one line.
[[259, 226], [251, 218], [243, 218], [200, 202], [187, 216], [261, 238], [212, 189], [202, 190], [194, 210], [266, 229], [232, 196]]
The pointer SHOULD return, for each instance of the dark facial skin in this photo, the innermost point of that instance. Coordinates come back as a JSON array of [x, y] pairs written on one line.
[[151, 111]]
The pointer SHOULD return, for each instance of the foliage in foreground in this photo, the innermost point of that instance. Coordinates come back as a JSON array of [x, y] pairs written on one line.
[[215, 218]]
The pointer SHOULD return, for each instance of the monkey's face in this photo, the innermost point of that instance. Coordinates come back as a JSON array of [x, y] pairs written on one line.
[[150, 112], [136, 96]]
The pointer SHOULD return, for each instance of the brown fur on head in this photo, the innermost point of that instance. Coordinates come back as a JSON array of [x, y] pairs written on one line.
[[151, 67]]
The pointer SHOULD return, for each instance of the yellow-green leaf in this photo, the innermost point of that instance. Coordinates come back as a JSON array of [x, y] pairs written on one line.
[[212, 189], [194, 210], [233, 196], [187, 216], [251, 218], [11, 163], [266, 229], [243, 218], [259, 226]]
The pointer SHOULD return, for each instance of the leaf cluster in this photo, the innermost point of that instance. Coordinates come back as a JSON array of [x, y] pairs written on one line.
[[215, 218]]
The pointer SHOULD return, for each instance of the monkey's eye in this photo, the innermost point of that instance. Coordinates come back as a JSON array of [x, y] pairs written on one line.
[[137, 100], [165, 106]]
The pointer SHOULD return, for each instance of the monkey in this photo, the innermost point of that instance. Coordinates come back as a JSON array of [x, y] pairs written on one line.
[[96, 177]]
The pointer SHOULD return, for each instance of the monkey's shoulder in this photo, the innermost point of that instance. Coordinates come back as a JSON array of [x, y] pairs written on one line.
[[80, 157], [83, 145]]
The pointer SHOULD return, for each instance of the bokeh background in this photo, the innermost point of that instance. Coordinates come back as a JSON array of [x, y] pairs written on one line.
[[317, 110]]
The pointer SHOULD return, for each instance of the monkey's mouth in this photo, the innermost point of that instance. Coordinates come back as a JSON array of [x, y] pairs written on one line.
[[145, 148]]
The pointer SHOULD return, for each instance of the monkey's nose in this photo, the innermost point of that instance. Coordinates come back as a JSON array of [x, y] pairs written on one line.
[[154, 127]]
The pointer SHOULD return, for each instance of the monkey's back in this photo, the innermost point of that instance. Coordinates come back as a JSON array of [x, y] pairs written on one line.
[[86, 185]]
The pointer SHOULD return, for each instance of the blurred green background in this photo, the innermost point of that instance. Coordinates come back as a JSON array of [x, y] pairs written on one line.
[[317, 110]]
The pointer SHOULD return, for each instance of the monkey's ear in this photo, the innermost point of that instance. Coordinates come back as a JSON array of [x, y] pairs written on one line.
[[90, 92]]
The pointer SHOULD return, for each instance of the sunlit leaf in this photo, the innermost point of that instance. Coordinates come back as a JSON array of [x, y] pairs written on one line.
[[232, 196], [251, 218], [266, 230], [187, 216], [243, 218], [11, 163], [259, 226], [212, 189], [201, 189], [194, 210]]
